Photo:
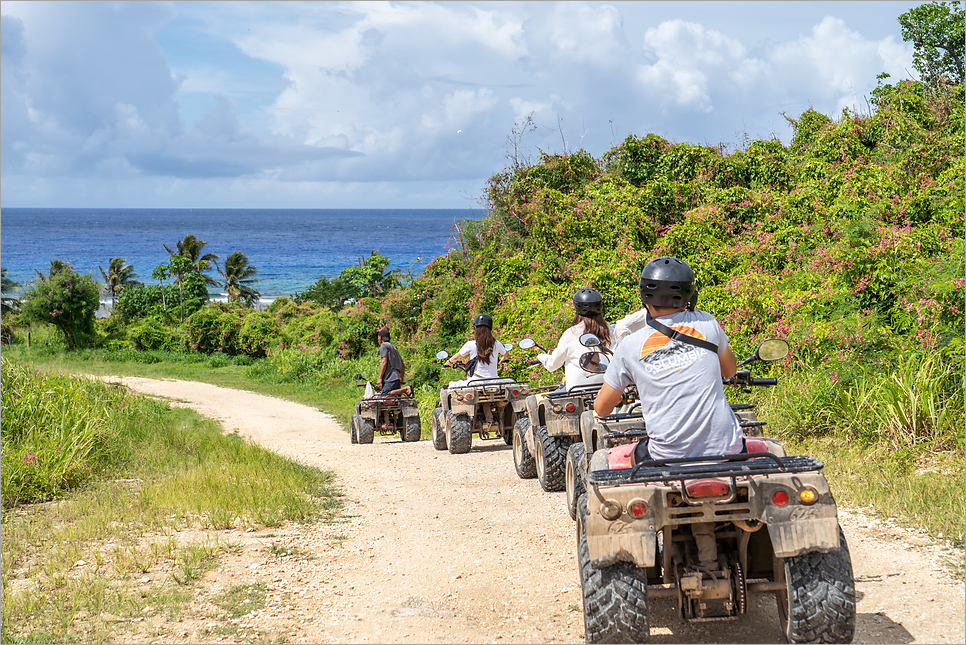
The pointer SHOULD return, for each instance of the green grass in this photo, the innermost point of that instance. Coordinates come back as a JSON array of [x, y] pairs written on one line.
[[920, 490], [72, 567]]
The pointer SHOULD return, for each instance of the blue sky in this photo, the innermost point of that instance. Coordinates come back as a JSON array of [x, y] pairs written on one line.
[[397, 105]]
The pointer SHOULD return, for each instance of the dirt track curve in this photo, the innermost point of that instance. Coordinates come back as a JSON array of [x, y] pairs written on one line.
[[443, 548]]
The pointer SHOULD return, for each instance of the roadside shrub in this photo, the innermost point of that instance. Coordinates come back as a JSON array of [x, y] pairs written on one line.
[[215, 328], [152, 334]]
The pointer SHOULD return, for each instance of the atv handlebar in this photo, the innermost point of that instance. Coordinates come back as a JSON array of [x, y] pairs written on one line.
[[743, 378]]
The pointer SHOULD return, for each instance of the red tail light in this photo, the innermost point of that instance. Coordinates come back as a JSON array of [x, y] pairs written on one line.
[[571, 407], [469, 397], [516, 392], [707, 488], [780, 498], [637, 509]]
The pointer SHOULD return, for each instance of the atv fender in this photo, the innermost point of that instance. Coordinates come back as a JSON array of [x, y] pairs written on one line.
[[796, 529]]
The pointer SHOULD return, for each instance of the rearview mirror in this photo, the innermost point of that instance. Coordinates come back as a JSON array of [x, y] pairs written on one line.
[[527, 343], [593, 362], [769, 350], [442, 355], [590, 340], [358, 377], [508, 346]]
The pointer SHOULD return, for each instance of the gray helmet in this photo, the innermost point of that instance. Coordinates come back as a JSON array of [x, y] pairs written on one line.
[[588, 302], [668, 282], [483, 320]]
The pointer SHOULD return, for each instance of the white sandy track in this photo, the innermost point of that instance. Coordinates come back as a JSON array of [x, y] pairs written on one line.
[[455, 548]]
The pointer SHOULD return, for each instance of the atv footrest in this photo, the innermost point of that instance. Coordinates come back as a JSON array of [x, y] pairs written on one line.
[[742, 465]]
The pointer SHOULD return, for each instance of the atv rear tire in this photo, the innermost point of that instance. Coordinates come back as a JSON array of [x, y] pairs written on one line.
[[615, 597], [574, 480], [818, 604], [413, 429], [353, 424], [367, 430], [522, 459], [439, 432], [551, 459], [458, 435]]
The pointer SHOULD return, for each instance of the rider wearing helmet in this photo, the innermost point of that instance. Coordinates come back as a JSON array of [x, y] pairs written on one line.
[[484, 348], [676, 360], [588, 305]]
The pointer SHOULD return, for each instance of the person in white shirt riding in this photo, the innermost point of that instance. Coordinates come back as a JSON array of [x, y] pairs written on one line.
[[588, 305], [676, 360], [485, 350]]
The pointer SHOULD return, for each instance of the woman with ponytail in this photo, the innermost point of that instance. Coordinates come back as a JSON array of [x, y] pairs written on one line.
[[588, 305]]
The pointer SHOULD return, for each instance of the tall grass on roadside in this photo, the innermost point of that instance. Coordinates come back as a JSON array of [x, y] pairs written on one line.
[[70, 569]]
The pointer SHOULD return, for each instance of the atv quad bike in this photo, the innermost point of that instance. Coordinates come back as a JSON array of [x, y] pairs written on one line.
[[543, 438], [385, 414], [775, 526], [463, 408]]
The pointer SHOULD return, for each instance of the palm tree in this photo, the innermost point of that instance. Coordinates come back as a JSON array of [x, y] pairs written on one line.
[[118, 274], [238, 275], [56, 266], [190, 247], [7, 288]]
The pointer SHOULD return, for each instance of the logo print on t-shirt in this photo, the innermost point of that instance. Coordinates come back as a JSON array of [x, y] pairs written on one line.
[[658, 340], [671, 356]]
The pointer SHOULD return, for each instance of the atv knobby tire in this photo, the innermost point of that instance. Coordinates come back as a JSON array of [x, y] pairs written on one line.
[[551, 459], [459, 433], [522, 459], [439, 432], [367, 430], [818, 605], [354, 428], [574, 480], [615, 597], [413, 429]]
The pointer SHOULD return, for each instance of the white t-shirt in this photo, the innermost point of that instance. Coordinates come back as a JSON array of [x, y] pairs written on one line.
[[682, 398], [628, 325], [483, 370], [567, 353]]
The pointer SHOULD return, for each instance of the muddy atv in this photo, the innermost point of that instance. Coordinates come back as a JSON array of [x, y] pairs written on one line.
[[775, 528], [464, 407], [386, 415]]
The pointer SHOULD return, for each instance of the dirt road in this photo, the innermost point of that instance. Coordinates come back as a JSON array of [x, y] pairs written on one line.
[[456, 549]]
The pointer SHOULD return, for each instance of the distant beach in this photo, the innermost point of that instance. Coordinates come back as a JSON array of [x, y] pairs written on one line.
[[290, 248]]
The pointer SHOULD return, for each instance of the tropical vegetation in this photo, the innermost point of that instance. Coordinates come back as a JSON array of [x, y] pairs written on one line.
[[847, 242]]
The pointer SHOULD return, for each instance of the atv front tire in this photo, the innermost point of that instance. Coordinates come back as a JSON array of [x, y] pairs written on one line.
[[366, 431], [574, 480], [551, 459], [615, 597], [522, 459], [439, 432], [413, 429], [458, 435], [818, 603]]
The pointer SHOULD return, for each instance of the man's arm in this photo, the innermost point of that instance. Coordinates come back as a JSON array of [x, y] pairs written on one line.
[[383, 365], [729, 364], [607, 399]]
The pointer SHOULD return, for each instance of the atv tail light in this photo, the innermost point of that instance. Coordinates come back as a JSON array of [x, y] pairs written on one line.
[[571, 407], [610, 510], [707, 488], [637, 508], [808, 496], [780, 498], [469, 397], [516, 392]]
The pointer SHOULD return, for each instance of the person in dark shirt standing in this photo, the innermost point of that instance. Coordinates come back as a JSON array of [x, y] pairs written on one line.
[[392, 369]]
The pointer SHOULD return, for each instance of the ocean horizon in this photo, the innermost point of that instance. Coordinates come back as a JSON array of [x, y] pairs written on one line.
[[290, 248]]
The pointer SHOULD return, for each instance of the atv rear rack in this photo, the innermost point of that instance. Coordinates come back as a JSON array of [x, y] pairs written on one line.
[[741, 465], [576, 391]]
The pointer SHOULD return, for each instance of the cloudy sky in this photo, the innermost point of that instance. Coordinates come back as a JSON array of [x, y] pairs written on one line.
[[406, 105]]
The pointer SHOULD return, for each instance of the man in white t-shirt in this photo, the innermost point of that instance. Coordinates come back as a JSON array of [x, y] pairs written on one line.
[[676, 361]]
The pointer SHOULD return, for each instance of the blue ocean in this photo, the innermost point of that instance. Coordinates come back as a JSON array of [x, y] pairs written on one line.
[[291, 249]]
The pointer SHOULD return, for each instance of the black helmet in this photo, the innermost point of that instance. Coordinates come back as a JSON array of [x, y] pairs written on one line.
[[588, 302], [483, 320], [668, 282]]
